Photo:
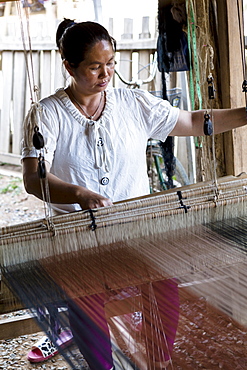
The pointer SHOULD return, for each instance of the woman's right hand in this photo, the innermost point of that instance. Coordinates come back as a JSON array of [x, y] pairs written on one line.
[[60, 192], [89, 200]]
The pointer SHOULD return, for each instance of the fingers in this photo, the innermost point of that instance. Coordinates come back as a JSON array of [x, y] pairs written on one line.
[[100, 203], [93, 200]]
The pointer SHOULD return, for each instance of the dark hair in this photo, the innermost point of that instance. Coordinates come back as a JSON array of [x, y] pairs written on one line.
[[74, 40]]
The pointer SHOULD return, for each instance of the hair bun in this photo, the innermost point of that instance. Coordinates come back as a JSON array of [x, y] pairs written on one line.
[[66, 23]]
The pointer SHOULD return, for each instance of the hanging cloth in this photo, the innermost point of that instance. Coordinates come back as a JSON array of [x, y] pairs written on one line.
[[172, 45]]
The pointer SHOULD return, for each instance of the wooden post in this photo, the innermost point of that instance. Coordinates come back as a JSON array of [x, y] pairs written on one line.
[[230, 29], [144, 55], [128, 29], [19, 79], [5, 125], [125, 64]]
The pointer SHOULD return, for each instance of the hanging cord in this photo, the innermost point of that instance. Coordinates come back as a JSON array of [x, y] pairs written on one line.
[[209, 118], [38, 141], [34, 90], [194, 65], [209, 130]]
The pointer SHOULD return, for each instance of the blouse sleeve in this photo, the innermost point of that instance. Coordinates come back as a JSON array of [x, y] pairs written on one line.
[[158, 115], [43, 116]]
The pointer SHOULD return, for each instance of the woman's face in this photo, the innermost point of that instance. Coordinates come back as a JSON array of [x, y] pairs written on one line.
[[95, 72]]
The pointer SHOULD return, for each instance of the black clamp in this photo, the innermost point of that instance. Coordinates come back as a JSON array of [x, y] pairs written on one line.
[[38, 140], [211, 89], [41, 167], [208, 125], [93, 225], [244, 86], [244, 89], [180, 198]]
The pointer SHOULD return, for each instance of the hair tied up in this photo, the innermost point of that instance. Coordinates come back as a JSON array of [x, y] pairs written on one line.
[[75, 40], [71, 23], [63, 26]]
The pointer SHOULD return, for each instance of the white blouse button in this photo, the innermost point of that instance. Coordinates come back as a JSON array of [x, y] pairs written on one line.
[[104, 181]]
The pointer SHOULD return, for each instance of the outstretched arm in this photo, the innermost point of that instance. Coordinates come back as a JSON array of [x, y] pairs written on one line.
[[191, 123], [60, 192]]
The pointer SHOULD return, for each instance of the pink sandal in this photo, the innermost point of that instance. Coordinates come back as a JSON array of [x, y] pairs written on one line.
[[44, 348]]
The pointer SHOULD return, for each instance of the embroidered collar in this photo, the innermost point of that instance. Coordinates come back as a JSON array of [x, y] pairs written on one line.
[[61, 95]]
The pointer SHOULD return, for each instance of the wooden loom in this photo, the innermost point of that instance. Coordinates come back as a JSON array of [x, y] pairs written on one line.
[[169, 235], [191, 233]]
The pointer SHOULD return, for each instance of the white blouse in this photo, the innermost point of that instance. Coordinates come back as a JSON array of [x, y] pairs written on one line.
[[107, 156]]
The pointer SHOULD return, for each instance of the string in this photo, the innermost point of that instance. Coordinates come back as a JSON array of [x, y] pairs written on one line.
[[34, 96], [29, 75]]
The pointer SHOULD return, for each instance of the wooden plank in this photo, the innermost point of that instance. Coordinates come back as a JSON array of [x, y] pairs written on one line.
[[34, 73], [18, 325], [124, 67], [125, 44], [12, 44], [142, 44], [125, 63], [231, 75], [18, 100], [60, 74], [5, 124], [23, 325], [145, 34], [10, 158], [45, 73], [144, 67]]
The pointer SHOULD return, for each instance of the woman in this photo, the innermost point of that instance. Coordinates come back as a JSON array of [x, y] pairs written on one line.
[[95, 153]]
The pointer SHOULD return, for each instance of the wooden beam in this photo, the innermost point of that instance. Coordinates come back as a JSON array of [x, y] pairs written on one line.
[[10, 158], [231, 46], [17, 326]]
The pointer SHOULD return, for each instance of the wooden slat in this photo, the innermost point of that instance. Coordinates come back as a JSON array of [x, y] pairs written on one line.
[[5, 124], [18, 99], [22, 325], [45, 78], [231, 74], [16, 326], [59, 78], [10, 158], [144, 60], [34, 72], [125, 67]]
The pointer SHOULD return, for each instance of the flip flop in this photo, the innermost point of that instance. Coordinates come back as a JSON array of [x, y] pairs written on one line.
[[44, 348]]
